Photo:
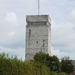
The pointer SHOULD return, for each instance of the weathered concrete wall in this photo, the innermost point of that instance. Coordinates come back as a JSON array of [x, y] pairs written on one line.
[[38, 18], [38, 35]]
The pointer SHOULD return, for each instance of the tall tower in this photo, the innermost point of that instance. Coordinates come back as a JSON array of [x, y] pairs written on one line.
[[38, 35]]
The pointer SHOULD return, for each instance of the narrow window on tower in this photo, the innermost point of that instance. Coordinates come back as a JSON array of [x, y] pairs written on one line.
[[43, 42], [29, 32], [37, 42]]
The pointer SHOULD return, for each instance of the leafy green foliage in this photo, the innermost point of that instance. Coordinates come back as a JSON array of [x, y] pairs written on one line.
[[53, 73], [54, 63], [43, 64], [50, 61], [62, 73], [66, 65], [41, 57], [14, 66]]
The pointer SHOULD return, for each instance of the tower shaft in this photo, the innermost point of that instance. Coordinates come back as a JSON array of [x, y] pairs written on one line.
[[38, 35]]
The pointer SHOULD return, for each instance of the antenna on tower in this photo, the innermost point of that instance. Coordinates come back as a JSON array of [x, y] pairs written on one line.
[[38, 6]]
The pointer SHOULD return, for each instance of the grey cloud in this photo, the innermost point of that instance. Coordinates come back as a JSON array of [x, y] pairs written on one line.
[[62, 54], [12, 33], [71, 16], [19, 52], [63, 36], [14, 41]]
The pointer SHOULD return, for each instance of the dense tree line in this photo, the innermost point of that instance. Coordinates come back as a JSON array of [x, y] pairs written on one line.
[[65, 65], [43, 64], [50, 61], [14, 66]]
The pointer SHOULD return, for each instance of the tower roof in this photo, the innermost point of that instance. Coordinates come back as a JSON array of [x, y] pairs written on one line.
[[38, 18]]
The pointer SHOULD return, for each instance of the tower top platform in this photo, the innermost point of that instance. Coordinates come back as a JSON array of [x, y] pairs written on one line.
[[38, 18]]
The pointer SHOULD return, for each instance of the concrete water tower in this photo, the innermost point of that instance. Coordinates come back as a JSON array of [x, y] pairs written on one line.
[[38, 35]]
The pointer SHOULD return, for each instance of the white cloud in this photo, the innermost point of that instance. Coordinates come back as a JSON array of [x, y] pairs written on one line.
[[12, 33], [63, 36], [11, 18], [61, 54], [14, 39], [20, 52], [71, 16]]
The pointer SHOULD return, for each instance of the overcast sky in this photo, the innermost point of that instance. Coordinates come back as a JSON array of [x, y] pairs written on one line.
[[13, 25]]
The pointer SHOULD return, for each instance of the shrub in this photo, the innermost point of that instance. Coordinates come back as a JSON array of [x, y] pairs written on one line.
[[14, 66], [53, 73], [62, 73]]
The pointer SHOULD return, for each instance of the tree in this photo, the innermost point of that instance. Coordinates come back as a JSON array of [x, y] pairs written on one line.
[[41, 57], [15, 66], [66, 65], [54, 63], [50, 61]]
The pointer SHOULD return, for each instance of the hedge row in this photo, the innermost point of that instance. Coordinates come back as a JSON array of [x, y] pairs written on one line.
[[14, 66]]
